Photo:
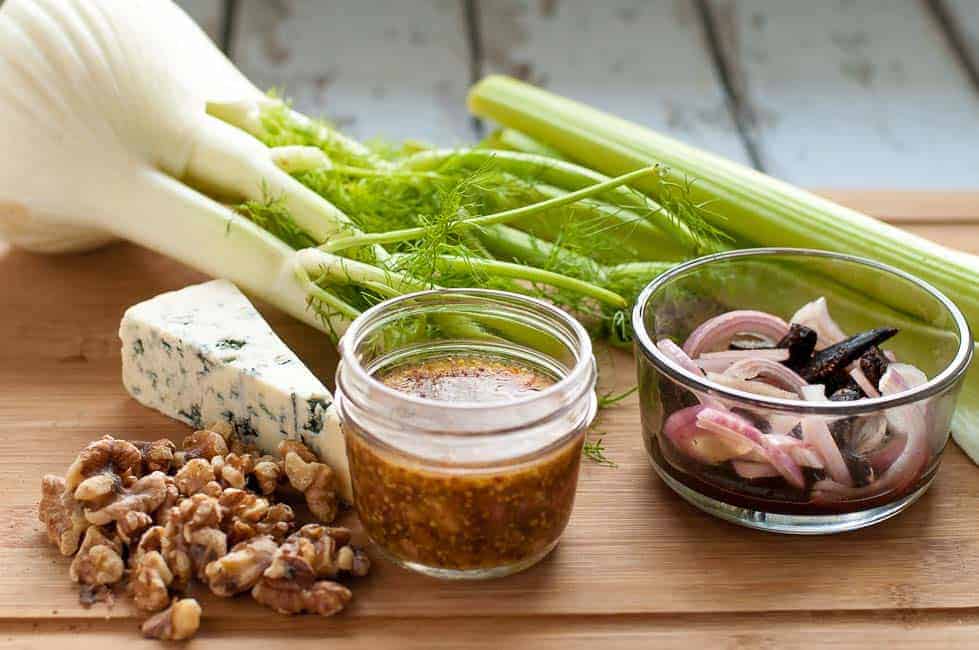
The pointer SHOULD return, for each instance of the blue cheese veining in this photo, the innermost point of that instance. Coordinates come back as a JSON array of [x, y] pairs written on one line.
[[204, 354]]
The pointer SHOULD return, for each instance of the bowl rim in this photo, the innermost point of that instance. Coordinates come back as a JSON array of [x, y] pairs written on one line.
[[937, 384]]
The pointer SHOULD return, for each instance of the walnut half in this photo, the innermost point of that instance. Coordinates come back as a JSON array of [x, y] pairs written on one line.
[[63, 517], [99, 559], [240, 569], [145, 495], [289, 586], [104, 456], [178, 622], [316, 480]]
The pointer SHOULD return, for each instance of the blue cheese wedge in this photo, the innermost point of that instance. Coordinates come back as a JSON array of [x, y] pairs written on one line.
[[204, 354]]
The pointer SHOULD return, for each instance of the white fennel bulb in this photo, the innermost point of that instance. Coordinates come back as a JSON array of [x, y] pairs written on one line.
[[106, 135]]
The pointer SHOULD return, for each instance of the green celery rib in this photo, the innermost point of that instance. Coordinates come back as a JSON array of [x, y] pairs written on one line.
[[752, 207], [749, 205]]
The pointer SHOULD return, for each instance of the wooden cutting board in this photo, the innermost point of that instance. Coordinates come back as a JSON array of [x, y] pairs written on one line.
[[636, 568]]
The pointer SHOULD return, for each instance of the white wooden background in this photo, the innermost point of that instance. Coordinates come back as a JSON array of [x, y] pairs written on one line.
[[841, 94]]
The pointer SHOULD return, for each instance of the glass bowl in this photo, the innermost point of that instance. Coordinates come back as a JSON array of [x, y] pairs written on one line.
[[861, 295]]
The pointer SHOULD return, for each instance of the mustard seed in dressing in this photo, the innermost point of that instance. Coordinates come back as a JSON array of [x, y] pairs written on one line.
[[475, 518], [467, 379]]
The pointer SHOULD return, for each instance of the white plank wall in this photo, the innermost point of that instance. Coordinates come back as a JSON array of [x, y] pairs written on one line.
[[966, 15], [853, 94], [376, 68], [207, 13], [644, 61]]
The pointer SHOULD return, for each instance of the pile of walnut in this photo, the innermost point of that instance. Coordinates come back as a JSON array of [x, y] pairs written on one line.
[[163, 517]]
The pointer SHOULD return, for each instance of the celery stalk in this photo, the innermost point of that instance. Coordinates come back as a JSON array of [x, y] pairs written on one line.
[[745, 203], [748, 205]]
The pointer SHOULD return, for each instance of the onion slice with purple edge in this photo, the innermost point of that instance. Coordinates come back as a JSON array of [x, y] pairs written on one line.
[[799, 451], [814, 393], [815, 433], [705, 446], [724, 423], [815, 316], [721, 361], [768, 371], [718, 331], [752, 471], [861, 379], [675, 353], [756, 387], [908, 421]]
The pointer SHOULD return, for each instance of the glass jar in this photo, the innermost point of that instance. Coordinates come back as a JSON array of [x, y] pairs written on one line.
[[902, 436], [465, 489]]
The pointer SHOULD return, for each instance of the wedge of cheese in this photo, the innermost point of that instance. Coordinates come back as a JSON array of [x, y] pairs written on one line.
[[203, 354]]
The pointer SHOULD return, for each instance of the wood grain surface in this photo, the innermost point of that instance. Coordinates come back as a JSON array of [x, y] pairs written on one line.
[[636, 568]]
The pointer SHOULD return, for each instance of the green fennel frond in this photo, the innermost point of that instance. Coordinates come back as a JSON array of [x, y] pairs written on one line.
[[594, 450], [272, 215]]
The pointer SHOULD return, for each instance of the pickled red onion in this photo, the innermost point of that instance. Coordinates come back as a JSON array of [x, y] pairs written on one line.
[[718, 331]]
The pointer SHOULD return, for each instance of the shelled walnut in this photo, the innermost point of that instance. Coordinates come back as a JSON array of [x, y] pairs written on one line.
[[242, 567], [63, 517], [250, 515], [193, 476], [150, 575], [314, 479], [204, 444], [289, 586], [175, 514], [176, 623], [146, 494], [99, 559], [106, 456], [157, 456]]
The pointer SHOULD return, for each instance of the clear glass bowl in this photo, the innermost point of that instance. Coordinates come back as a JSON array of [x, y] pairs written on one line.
[[861, 294]]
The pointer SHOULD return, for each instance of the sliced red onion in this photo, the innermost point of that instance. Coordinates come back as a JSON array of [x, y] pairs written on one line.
[[768, 371], [900, 377], [890, 356], [800, 452], [752, 471], [757, 387], [910, 419], [858, 376], [909, 422], [741, 355], [869, 433], [731, 423], [816, 433], [721, 361], [898, 476], [675, 353], [717, 332], [814, 393], [815, 316], [885, 456], [806, 456], [708, 447], [782, 423]]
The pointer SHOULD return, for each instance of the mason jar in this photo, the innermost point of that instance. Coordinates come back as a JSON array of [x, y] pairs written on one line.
[[470, 479]]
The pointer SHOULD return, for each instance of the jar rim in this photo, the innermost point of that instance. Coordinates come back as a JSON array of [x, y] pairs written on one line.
[[939, 383], [581, 373]]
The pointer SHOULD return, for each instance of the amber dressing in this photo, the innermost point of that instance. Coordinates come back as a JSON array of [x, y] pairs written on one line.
[[445, 519]]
